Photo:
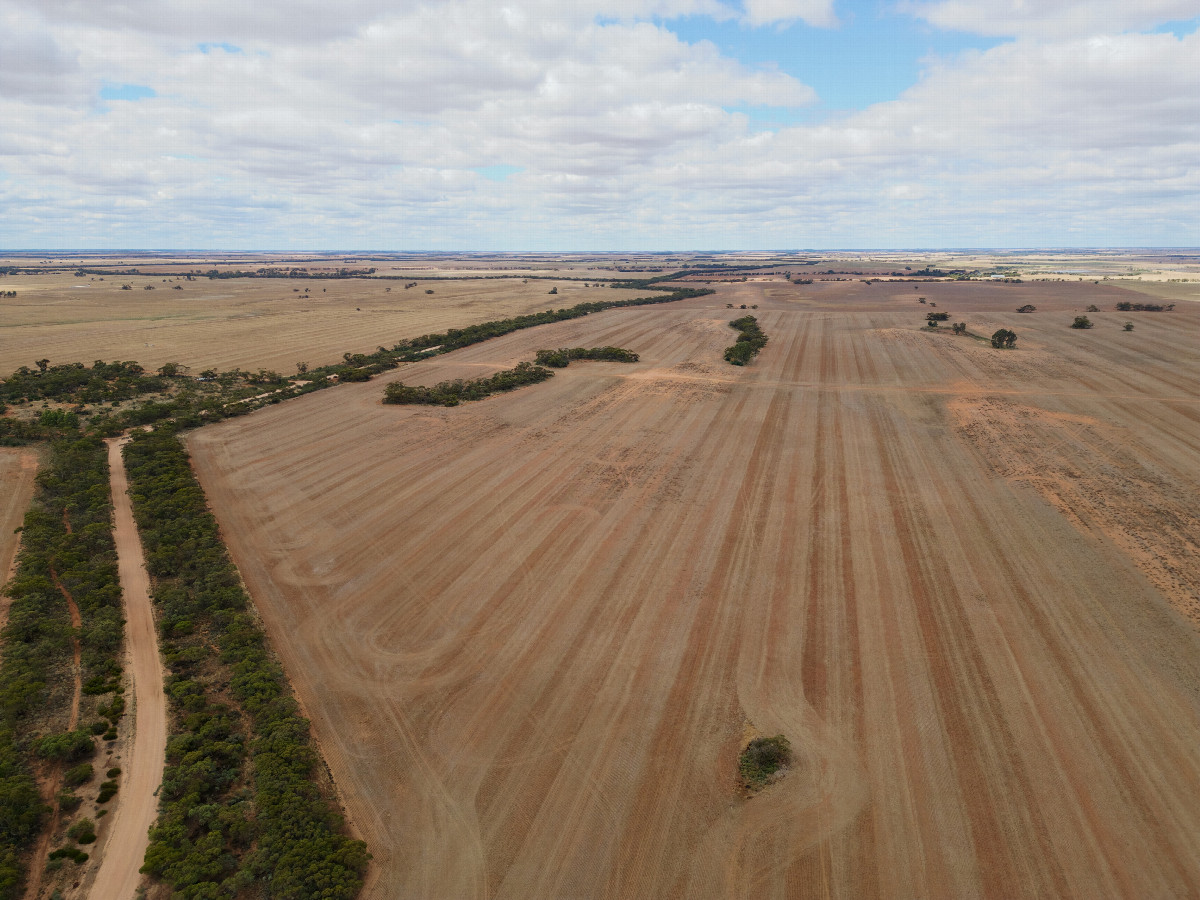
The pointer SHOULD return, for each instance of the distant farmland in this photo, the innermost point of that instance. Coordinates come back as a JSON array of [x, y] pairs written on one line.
[[534, 632]]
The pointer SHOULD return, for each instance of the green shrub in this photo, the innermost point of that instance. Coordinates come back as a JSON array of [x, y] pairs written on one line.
[[68, 801], [71, 853], [66, 747], [762, 758], [108, 790], [78, 775], [83, 832], [113, 772]]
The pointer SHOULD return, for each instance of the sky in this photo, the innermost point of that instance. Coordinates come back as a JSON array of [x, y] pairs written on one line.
[[599, 124]]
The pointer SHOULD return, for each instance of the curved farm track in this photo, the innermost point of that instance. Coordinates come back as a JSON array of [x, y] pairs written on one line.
[[531, 632]]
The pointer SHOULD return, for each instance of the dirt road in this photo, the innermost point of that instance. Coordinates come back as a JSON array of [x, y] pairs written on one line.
[[531, 631], [136, 803]]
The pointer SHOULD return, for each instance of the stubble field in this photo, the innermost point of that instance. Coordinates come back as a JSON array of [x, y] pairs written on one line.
[[250, 323], [534, 632]]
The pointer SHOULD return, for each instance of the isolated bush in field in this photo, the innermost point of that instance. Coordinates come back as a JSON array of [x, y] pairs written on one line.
[[1093, 308], [1027, 308], [1004, 338], [1129, 326], [1081, 322], [762, 758]]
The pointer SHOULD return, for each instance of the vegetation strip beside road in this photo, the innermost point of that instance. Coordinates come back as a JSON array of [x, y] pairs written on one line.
[[66, 548], [239, 802], [137, 808]]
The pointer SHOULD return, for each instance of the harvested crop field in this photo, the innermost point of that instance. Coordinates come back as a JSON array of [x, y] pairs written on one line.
[[534, 632], [270, 323]]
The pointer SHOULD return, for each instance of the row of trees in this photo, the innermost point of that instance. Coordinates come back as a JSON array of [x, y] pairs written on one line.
[[66, 547], [750, 340], [235, 724], [561, 358], [451, 393]]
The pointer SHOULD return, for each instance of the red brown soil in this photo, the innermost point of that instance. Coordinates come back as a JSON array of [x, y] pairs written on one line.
[[531, 631]]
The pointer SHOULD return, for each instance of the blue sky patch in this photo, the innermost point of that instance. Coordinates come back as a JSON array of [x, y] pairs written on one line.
[[872, 56], [209, 47], [112, 91], [498, 173]]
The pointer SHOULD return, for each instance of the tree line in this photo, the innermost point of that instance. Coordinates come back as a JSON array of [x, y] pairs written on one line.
[[561, 358], [239, 804]]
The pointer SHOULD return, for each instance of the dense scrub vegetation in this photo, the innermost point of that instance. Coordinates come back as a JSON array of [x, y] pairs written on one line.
[[750, 340], [239, 803], [451, 393], [763, 758], [66, 548], [561, 358]]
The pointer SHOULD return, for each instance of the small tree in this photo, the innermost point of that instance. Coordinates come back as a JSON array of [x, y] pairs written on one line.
[[1129, 326], [1081, 322], [301, 368], [1004, 339], [1093, 308], [1027, 308]]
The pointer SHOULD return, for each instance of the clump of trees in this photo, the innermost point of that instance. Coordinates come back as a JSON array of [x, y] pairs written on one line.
[[763, 758], [1093, 308], [451, 393], [1004, 338], [1027, 308], [1081, 322], [959, 327], [750, 341], [239, 802], [1127, 306], [934, 317], [561, 358]]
